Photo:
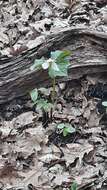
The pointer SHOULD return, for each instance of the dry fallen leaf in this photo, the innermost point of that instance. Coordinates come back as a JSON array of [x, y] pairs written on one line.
[[24, 119], [61, 179], [94, 119], [31, 142], [32, 177], [74, 151]]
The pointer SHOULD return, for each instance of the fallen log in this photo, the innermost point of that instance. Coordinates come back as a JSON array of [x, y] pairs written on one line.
[[88, 55]]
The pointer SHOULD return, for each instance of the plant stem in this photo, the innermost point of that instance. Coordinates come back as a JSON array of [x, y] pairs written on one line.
[[53, 90], [52, 97]]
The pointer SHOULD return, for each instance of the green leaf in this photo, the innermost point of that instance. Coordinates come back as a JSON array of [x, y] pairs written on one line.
[[73, 186], [60, 54], [64, 54], [47, 107], [64, 61], [39, 104], [69, 128], [34, 94], [54, 67], [104, 103], [65, 132], [61, 126], [43, 104], [55, 54], [63, 57], [52, 72], [61, 73], [37, 64]]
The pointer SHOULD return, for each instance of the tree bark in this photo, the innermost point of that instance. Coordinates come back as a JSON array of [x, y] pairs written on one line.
[[88, 55]]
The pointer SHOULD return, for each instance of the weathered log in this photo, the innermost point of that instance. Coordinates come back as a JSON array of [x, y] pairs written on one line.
[[88, 55]]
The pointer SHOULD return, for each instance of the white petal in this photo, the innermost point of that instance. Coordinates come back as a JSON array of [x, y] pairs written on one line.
[[50, 60], [45, 65]]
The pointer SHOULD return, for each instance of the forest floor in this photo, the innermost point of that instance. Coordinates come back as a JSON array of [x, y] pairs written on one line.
[[33, 156]]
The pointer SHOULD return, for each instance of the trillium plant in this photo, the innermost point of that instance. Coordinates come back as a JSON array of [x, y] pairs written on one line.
[[56, 66]]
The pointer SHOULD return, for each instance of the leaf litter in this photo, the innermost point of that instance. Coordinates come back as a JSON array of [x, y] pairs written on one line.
[[27, 24], [33, 157], [44, 159]]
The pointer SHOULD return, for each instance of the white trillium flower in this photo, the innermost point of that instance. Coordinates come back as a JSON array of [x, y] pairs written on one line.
[[50, 62], [45, 65]]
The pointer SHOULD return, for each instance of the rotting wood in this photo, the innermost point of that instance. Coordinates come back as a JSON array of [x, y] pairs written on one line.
[[88, 55]]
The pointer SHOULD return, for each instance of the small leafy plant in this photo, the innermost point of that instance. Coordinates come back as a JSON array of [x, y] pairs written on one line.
[[73, 186], [57, 66], [66, 129], [40, 102]]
